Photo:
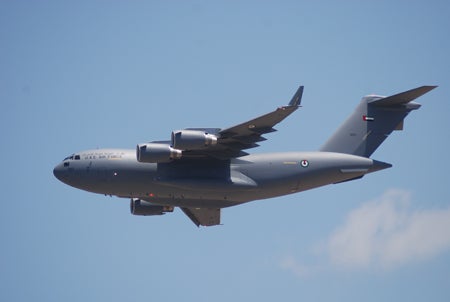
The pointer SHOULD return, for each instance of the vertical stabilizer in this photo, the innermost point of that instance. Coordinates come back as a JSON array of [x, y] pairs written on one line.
[[372, 122]]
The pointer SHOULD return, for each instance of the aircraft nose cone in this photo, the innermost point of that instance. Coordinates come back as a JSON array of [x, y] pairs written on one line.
[[58, 171]]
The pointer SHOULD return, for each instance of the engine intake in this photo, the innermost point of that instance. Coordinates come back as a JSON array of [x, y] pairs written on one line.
[[156, 153], [192, 139], [145, 208]]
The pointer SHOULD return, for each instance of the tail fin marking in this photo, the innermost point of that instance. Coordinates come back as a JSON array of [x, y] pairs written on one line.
[[373, 121]]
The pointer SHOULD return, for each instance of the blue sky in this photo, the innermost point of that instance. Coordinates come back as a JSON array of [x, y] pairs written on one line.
[[94, 74]]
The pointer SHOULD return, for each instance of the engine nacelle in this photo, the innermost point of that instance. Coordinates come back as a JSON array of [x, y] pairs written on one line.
[[145, 208], [192, 139], [156, 153]]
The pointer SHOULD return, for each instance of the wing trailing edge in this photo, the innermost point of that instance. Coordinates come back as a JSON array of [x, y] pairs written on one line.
[[233, 140]]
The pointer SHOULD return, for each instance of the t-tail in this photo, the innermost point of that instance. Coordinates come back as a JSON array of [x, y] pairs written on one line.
[[372, 122]]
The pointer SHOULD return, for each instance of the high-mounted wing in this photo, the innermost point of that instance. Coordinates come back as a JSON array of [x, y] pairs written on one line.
[[231, 141]]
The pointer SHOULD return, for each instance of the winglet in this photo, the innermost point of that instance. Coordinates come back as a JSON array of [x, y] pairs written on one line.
[[297, 98]]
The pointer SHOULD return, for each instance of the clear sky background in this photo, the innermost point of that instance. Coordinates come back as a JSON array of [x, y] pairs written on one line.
[[76, 75]]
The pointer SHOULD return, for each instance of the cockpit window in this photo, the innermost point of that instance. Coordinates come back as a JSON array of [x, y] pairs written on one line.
[[66, 164], [72, 157]]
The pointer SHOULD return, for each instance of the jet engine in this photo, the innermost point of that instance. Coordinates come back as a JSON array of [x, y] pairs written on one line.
[[156, 153], [192, 139], [145, 208]]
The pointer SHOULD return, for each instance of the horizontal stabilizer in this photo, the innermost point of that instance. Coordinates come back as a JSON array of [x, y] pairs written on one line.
[[403, 98]]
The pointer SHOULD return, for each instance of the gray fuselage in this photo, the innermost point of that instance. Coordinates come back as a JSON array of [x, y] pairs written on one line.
[[209, 183]]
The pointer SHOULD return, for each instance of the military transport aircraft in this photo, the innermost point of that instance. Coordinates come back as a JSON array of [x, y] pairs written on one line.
[[202, 170]]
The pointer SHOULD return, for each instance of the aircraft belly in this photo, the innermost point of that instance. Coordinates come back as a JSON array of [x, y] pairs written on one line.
[[179, 190], [193, 203], [195, 192]]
